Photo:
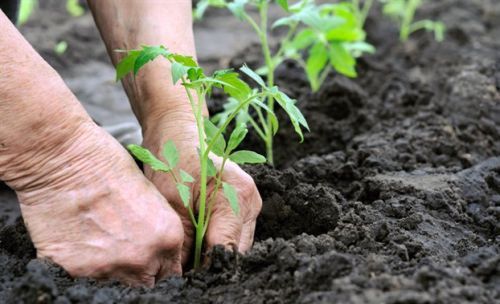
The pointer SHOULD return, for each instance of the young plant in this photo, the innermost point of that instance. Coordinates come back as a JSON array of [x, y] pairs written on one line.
[[211, 138], [403, 11], [320, 38], [362, 10], [27, 7]]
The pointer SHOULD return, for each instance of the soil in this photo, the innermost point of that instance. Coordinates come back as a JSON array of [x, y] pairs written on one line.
[[394, 196]]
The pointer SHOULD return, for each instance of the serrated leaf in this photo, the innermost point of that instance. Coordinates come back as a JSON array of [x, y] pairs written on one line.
[[236, 137], [283, 4], [170, 153], [147, 54], [237, 7], [316, 62], [245, 69], [145, 156], [184, 193], [178, 71], [235, 87], [303, 39], [219, 144], [247, 157], [186, 177], [296, 117], [126, 65], [232, 197], [184, 60], [342, 60]]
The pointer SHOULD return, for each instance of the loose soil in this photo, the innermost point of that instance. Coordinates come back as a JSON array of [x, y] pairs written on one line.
[[394, 196]]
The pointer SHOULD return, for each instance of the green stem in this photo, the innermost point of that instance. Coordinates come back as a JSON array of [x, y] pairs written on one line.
[[229, 120], [365, 11], [270, 78], [408, 18], [211, 200], [203, 183]]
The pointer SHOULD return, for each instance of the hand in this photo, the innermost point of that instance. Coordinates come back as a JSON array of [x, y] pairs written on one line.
[[89, 209], [225, 228]]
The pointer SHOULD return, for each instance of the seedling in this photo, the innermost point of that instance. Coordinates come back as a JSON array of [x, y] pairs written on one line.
[[403, 11], [27, 7], [362, 10], [320, 38], [198, 86]]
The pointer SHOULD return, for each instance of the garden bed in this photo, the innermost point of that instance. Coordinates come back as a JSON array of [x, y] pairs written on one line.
[[394, 196]]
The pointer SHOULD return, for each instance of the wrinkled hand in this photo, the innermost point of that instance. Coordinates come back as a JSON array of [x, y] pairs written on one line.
[[89, 209], [225, 227]]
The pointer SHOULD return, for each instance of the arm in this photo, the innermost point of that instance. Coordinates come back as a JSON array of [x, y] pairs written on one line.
[[128, 24], [164, 112], [78, 189]]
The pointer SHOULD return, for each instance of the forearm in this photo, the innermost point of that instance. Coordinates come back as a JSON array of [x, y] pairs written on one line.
[[37, 111], [127, 24]]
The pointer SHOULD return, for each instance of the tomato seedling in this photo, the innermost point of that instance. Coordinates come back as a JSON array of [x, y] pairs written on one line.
[[320, 38], [403, 11], [198, 86]]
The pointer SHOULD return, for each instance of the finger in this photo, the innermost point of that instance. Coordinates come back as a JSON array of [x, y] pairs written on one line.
[[247, 235], [225, 226], [170, 266]]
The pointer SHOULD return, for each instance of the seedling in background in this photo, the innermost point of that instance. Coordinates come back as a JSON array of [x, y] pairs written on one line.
[[211, 138], [403, 11], [27, 7], [320, 38]]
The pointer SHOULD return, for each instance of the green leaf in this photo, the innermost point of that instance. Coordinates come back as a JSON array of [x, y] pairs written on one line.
[[74, 8], [245, 69], [147, 54], [219, 145], [303, 39], [170, 153], [247, 157], [26, 9], [178, 71], [145, 156], [61, 47], [126, 65], [236, 137], [283, 4], [184, 60], [296, 117], [184, 193], [186, 177], [232, 196], [272, 116], [235, 87], [211, 169], [316, 62], [202, 6], [237, 7], [342, 60]]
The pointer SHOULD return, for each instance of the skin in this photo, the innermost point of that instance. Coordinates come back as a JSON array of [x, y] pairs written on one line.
[[164, 112], [85, 203]]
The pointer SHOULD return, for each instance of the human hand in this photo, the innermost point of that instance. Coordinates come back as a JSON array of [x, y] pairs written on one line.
[[225, 228]]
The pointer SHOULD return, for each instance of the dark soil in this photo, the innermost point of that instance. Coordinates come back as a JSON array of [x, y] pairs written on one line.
[[394, 197]]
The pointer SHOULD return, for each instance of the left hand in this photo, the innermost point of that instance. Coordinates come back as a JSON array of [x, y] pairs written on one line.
[[225, 228]]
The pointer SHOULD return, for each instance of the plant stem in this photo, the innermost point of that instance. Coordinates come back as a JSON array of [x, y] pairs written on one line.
[[197, 111], [365, 11], [408, 18], [270, 78]]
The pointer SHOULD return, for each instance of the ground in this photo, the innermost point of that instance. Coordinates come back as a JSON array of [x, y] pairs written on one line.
[[394, 197]]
